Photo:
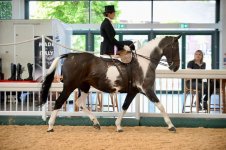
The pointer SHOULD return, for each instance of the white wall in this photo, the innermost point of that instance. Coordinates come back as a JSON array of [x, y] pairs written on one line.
[[13, 31]]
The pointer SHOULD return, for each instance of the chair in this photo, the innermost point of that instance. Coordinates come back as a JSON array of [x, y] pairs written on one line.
[[99, 106], [113, 105], [193, 93], [213, 106]]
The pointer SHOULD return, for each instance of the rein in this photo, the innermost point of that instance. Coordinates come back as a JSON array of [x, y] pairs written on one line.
[[162, 61]]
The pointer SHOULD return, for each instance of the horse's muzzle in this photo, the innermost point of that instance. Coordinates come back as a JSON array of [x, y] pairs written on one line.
[[174, 66]]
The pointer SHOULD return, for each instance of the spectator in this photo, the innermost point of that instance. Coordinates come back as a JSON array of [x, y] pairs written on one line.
[[197, 63]]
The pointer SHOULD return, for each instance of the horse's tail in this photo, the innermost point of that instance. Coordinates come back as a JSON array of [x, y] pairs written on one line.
[[49, 79]]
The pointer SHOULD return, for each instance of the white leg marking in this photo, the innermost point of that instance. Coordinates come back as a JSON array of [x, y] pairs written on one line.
[[52, 119], [118, 121], [165, 115]]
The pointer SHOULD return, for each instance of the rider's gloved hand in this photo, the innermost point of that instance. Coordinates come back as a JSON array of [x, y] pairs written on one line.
[[126, 47]]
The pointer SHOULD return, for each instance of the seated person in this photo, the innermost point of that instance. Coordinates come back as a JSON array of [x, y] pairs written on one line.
[[197, 63]]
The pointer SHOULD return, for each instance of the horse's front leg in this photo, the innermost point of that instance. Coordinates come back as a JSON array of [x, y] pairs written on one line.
[[82, 104], [152, 96], [125, 106]]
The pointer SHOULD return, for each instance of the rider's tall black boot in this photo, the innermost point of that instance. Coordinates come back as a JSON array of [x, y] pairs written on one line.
[[19, 71], [30, 71], [13, 72]]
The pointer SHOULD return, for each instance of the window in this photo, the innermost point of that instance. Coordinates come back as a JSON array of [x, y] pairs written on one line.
[[184, 11], [97, 9], [78, 42], [97, 41], [201, 42], [134, 11], [66, 11], [5, 10], [126, 11], [139, 40]]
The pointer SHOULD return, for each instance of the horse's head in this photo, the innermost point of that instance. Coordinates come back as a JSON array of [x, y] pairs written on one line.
[[170, 48]]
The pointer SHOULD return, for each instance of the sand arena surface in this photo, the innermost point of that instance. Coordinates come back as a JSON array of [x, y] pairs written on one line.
[[14, 137]]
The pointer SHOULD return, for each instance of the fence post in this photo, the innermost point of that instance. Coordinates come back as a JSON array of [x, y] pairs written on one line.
[[43, 58], [137, 106], [43, 73]]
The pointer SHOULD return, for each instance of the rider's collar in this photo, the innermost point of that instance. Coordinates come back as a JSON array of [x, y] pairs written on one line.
[[109, 19]]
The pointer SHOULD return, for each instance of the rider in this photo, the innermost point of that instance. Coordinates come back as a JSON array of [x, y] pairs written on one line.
[[110, 45]]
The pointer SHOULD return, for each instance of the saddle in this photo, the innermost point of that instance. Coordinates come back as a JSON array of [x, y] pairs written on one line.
[[124, 56]]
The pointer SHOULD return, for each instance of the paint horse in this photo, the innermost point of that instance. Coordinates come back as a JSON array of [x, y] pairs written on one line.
[[83, 70]]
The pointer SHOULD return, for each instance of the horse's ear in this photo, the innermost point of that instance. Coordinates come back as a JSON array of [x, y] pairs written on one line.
[[178, 36]]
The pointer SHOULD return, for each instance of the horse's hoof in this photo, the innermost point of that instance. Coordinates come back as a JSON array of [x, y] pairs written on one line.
[[50, 130], [96, 126], [119, 130], [173, 129]]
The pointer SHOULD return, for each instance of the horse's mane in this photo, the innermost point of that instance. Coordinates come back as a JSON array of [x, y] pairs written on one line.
[[152, 41], [150, 45]]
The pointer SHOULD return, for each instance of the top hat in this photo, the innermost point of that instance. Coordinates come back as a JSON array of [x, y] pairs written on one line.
[[109, 9]]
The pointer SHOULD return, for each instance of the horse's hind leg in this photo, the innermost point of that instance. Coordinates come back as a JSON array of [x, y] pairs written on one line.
[[152, 96], [82, 104], [59, 102]]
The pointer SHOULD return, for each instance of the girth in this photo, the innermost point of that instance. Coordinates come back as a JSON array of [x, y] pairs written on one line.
[[128, 67]]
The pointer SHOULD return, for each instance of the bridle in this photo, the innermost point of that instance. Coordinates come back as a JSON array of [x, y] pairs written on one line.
[[162, 61]]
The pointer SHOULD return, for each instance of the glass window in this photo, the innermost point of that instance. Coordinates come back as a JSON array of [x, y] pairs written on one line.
[[97, 9], [67, 11], [134, 11], [5, 10], [184, 11], [78, 42], [97, 40], [126, 11], [201, 42], [139, 40]]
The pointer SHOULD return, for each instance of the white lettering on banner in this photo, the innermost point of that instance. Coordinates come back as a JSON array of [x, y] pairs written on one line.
[[48, 53], [46, 44]]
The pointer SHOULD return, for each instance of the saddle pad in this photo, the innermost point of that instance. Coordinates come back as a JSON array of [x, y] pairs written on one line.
[[123, 57], [107, 56]]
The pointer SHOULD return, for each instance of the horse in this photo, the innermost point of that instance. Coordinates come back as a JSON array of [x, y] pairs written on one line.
[[83, 70]]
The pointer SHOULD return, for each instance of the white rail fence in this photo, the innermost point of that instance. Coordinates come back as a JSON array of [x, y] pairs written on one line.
[[22, 98]]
